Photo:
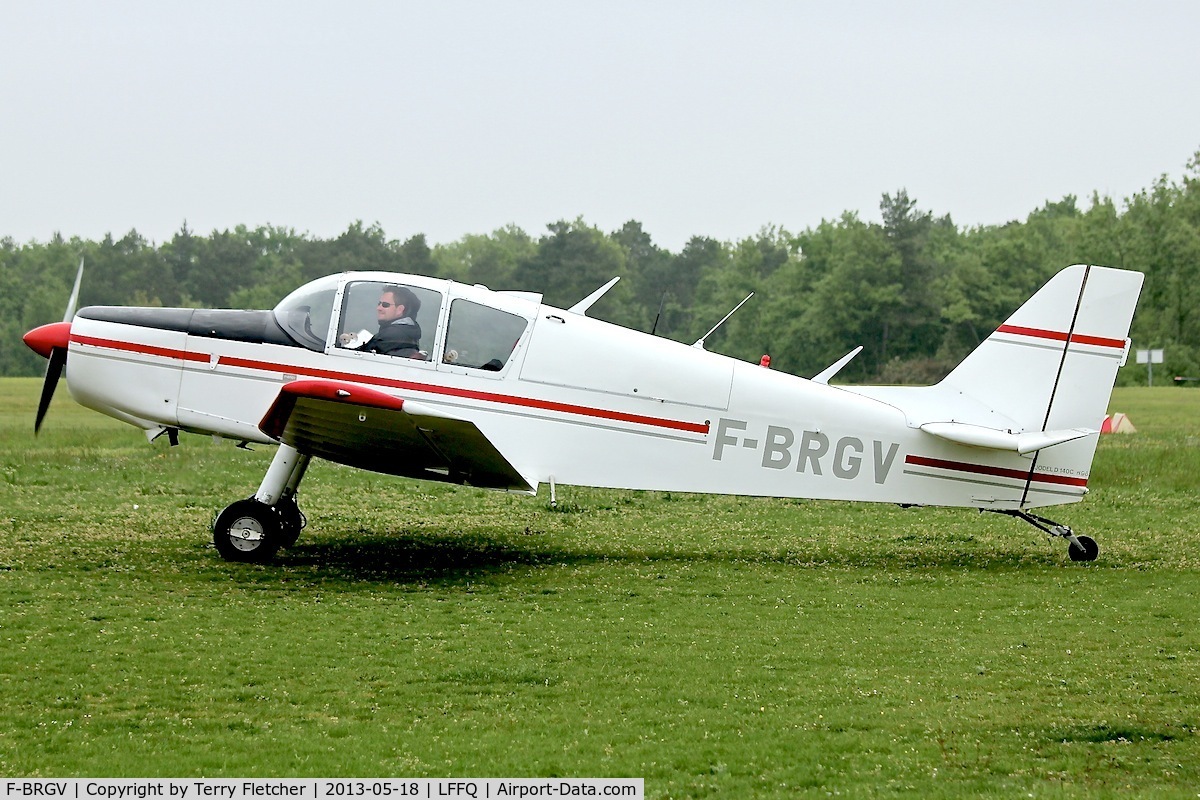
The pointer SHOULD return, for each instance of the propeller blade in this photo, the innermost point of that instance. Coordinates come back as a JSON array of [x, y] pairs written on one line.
[[50, 341], [74, 301], [58, 360]]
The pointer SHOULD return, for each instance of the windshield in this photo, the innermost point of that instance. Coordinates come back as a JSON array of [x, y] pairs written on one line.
[[305, 313]]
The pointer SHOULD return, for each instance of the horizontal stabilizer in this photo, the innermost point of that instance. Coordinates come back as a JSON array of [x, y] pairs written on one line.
[[994, 439]]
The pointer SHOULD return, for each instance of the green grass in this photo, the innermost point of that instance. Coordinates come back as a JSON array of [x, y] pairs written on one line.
[[717, 647]]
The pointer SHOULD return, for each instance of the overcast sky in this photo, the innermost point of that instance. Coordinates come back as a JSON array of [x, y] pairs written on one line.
[[695, 118]]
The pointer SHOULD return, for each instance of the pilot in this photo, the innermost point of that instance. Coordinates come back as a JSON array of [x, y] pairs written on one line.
[[399, 334]]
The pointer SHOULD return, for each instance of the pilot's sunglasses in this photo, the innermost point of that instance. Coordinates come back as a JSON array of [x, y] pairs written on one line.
[[385, 305]]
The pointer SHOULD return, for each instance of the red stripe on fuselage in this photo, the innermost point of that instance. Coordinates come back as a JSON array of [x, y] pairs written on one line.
[[1000, 472], [1061, 336], [144, 349], [470, 394]]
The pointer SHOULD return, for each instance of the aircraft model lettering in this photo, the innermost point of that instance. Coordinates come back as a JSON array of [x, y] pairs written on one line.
[[427, 378], [779, 451]]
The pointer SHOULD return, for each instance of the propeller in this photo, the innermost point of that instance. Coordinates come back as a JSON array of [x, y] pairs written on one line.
[[54, 370], [50, 341]]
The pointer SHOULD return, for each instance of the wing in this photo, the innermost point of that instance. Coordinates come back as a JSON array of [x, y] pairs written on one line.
[[365, 428]]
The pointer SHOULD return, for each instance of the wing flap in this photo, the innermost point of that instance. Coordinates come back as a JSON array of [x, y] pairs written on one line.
[[368, 429]]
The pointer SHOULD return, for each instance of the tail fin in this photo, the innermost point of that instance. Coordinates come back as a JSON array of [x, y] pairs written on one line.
[[1052, 364], [1034, 393], [1049, 370]]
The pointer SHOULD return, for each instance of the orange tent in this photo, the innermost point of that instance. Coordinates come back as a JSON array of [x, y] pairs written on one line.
[[1117, 423]]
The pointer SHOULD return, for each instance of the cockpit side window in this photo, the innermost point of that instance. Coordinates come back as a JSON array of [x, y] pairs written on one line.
[[389, 318], [481, 337]]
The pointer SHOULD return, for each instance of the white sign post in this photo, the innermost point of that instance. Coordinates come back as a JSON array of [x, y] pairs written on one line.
[[1149, 358]]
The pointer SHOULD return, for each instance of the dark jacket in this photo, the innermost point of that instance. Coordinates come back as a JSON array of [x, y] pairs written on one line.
[[401, 337]]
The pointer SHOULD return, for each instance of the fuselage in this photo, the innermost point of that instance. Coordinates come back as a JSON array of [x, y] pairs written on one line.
[[565, 397]]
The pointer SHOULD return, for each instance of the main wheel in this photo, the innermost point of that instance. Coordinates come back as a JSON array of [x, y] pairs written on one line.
[[1087, 552], [291, 519], [248, 531]]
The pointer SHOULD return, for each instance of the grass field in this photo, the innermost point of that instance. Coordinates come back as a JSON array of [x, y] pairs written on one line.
[[723, 647]]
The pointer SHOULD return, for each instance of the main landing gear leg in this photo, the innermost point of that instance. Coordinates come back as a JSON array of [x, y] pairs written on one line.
[[255, 528], [1081, 548], [293, 518]]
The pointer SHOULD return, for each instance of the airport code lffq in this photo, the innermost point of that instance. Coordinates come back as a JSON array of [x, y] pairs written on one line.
[[316, 789]]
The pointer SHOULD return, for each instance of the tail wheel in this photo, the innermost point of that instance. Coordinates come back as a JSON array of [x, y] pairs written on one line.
[[1086, 551], [1079, 547], [248, 531]]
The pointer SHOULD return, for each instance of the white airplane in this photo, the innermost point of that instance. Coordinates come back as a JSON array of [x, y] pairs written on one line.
[[498, 390]]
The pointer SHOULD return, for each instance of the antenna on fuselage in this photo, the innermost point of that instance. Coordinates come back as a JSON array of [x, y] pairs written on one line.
[[583, 305], [825, 375], [700, 342], [658, 316]]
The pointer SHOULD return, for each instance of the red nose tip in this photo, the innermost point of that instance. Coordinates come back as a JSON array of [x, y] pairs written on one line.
[[43, 339]]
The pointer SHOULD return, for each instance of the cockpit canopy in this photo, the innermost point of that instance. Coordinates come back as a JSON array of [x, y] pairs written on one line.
[[343, 310], [307, 313]]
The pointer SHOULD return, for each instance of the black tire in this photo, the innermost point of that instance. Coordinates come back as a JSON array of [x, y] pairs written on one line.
[[248, 531], [291, 519], [1087, 552]]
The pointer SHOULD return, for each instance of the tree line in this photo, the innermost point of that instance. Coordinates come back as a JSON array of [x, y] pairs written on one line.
[[915, 289]]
